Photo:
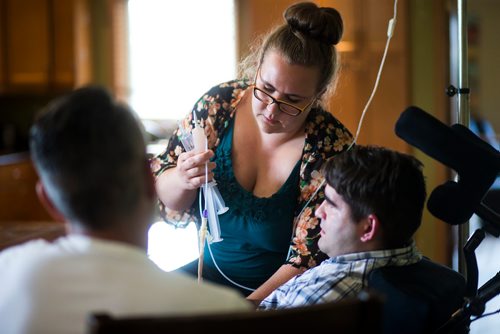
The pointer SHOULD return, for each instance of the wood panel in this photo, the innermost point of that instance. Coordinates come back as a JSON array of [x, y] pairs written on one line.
[[71, 52], [63, 56], [82, 53], [2, 47], [44, 45], [27, 42], [18, 199]]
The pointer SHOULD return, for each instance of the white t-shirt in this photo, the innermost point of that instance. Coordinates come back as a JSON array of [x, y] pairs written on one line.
[[53, 287]]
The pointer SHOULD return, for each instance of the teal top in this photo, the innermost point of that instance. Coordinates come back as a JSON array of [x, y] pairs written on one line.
[[325, 137], [256, 231]]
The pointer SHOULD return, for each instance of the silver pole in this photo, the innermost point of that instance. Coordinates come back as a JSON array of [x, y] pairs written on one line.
[[463, 109]]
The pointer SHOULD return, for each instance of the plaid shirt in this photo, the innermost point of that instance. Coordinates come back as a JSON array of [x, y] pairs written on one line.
[[337, 278]]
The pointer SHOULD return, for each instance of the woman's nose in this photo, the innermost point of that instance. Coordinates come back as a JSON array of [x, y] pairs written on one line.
[[273, 108]]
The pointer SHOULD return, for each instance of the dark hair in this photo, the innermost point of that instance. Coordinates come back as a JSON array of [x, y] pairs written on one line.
[[90, 154], [307, 38], [386, 183]]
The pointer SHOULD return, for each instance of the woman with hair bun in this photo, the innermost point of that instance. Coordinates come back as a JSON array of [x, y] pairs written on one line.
[[268, 136]]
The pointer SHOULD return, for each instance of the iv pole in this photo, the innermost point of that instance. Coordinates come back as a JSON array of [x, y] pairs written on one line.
[[463, 112]]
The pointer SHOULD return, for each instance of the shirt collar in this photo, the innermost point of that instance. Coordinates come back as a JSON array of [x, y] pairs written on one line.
[[405, 253]]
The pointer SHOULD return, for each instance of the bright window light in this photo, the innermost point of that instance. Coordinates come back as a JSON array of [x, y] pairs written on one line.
[[171, 248], [178, 50]]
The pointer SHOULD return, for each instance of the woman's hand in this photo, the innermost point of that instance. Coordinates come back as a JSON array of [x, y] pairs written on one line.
[[191, 169]]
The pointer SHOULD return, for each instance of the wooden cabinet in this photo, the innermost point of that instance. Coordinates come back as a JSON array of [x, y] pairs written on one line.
[[2, 48], [18, 199], [22, 216], [44, 45]]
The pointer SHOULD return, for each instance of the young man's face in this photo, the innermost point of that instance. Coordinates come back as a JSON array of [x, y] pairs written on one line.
[[339, 233]]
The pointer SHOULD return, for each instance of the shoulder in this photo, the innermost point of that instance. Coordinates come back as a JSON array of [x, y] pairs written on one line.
[[189, 296], [223, 93], [232, 85], [217, 107], [311, 287], [14, 254], [22, 265], [320, 120], [325, 134], [329, 282]]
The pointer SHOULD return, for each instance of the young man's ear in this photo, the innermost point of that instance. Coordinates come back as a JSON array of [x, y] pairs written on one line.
[[370, 228], [47, 203]]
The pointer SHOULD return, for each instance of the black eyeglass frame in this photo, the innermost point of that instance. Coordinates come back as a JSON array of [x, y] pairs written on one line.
[[280, 103]]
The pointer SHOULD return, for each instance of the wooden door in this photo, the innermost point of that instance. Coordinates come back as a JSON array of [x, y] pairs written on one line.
[[63, 55], [27, 44], [45, 45], [18, 199], [2, 48]]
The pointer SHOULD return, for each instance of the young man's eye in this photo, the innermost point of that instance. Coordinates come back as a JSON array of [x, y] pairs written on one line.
[[330, 204]]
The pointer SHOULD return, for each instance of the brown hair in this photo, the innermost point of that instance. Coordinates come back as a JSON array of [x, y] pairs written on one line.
[[90, 153], [307, 38], [377, 180]]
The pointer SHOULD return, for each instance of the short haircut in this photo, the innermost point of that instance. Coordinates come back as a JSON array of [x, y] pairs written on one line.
[[90, 154], [376, 180]]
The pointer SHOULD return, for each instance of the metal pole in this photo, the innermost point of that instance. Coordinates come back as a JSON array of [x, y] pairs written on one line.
[[463, 108]]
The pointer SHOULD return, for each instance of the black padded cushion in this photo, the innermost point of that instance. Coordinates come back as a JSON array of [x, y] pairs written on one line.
[[419, 298], [492, 200]]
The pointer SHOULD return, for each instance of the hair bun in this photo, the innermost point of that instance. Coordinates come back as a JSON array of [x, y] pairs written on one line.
[[320, 23]]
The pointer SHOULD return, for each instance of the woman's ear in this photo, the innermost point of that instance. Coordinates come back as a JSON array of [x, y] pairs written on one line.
[[370, 228], [47, 203]]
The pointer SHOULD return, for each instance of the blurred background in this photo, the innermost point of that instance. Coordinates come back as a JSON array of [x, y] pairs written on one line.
[[161, 56]]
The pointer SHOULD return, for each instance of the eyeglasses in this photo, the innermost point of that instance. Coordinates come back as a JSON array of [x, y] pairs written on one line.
[[285, 107]]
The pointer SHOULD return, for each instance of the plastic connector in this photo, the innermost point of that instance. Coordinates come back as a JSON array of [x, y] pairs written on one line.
[[199, 139], [390, 27]]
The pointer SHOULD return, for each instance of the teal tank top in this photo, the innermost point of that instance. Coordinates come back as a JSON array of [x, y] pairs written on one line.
[[256, 231]]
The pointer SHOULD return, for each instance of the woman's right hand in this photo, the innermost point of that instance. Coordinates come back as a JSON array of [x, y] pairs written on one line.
[[190, 169]]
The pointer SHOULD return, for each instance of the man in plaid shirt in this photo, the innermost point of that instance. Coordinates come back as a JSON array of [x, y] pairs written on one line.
[[373, 205]]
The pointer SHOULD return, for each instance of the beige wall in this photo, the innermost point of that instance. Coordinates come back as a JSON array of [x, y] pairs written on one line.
[[429, 77], [415, 73], [362, 45], [487, 13]]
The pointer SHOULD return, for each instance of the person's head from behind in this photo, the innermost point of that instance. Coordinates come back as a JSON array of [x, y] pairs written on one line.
[[374, 199], [296, 63], [90, 154]]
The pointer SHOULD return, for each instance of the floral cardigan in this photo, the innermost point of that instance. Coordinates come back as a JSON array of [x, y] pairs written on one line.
[[325, 138]]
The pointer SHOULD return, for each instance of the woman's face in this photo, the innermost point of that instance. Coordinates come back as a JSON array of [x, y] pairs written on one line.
[[293, 84]]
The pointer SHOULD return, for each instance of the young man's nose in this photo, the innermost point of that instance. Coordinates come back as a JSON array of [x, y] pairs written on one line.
[[319, 213]]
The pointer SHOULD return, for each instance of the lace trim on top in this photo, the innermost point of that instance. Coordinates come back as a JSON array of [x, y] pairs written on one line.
[[241, 201]]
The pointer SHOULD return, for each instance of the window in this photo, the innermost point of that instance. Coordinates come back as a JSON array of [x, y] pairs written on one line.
[[171, 248], [178, 50]]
